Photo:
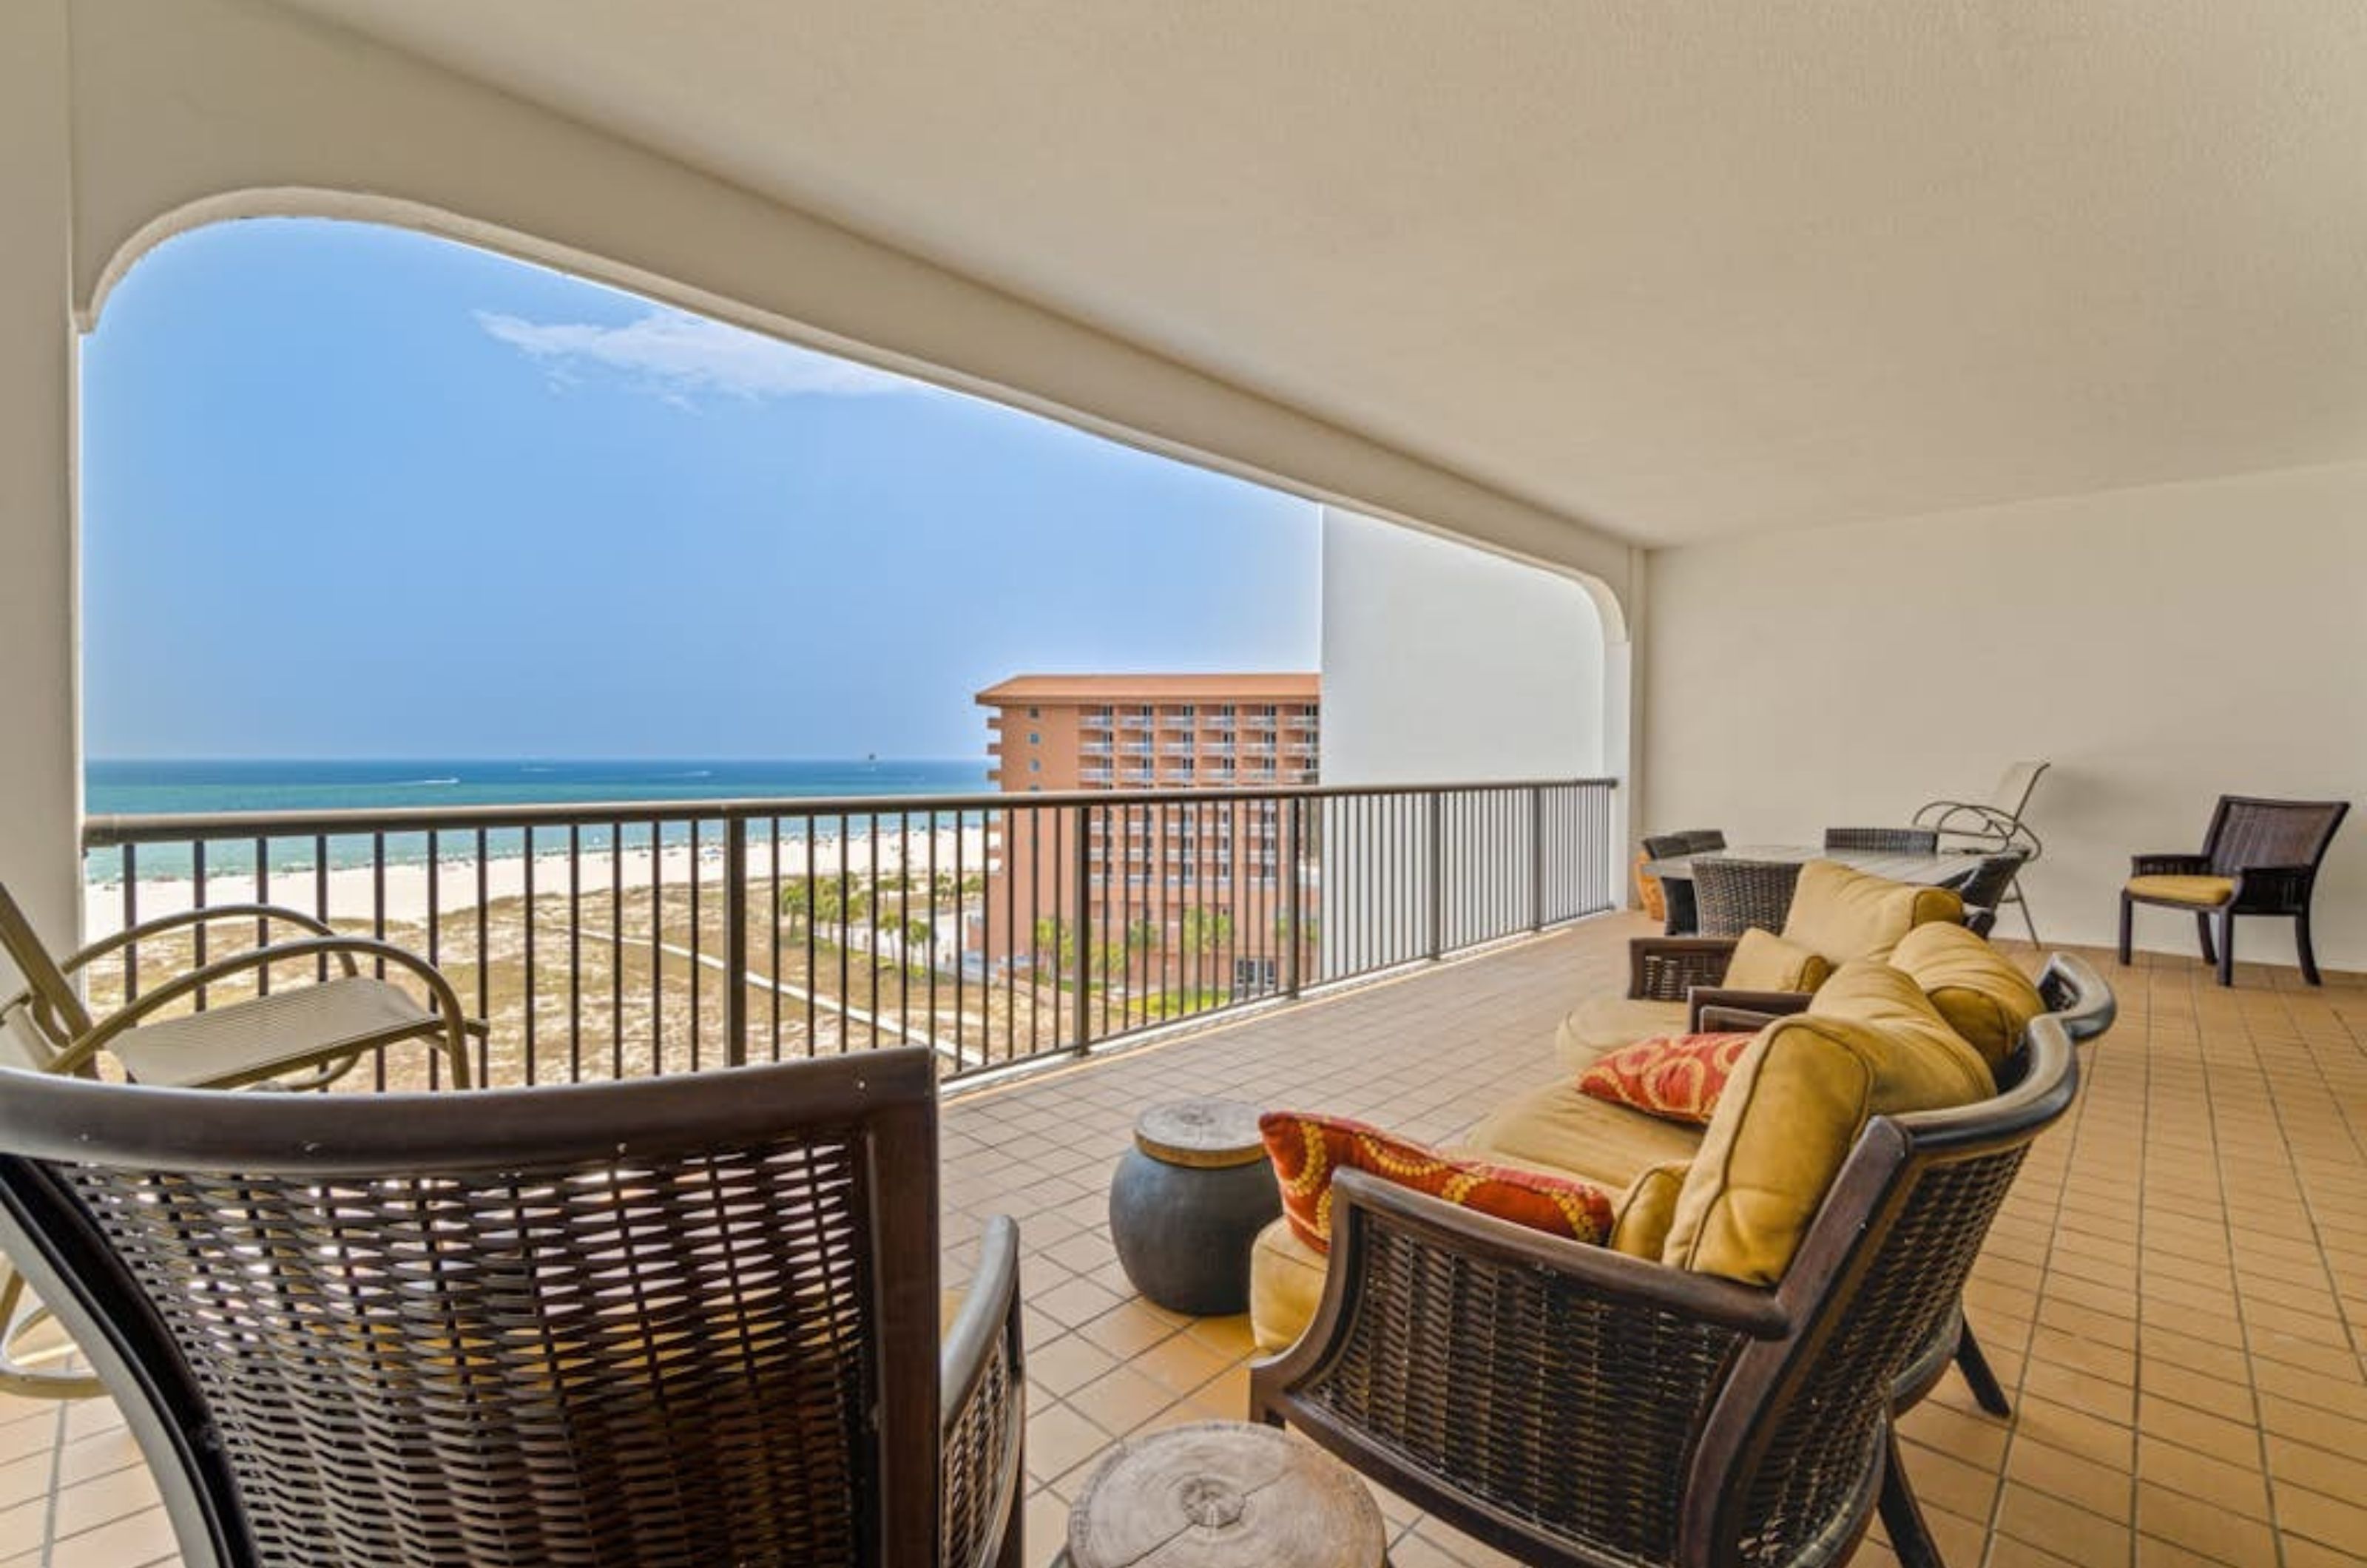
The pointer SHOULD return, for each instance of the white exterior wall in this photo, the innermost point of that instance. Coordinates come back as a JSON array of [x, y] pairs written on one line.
[[2159, 646], [1443, 664], [39, 709]]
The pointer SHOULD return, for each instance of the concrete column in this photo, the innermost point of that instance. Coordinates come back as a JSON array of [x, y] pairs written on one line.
[[40, 597]]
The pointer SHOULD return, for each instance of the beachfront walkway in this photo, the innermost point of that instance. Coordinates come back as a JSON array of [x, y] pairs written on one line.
[[2175, 1295]]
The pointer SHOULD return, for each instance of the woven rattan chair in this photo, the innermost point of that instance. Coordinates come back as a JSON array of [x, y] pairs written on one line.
[[1999, 824], [1679, 918], [1730, 895], [1570, 1405], [1884, 841], [670, 1322], [2261, 857], [1990, 886]]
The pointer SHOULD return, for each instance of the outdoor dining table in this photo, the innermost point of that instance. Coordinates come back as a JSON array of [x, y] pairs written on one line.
[[1927, 870]]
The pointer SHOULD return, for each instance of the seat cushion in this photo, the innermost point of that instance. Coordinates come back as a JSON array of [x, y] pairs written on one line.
[[1675, 1077], [1604, 1023], [1984, 996], [1794, 1111], [1649, 1209], [1285, 1286], [1845, 913], [1766, 961], [2203, 892], [1559, 1128]]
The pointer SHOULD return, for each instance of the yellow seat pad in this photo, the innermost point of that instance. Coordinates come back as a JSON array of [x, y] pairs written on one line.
[[1602, 1024], [1576, 1135], [1845, 913], [1869, 1044], [2203, 892]]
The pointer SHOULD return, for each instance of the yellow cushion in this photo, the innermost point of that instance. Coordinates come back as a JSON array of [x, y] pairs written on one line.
[[1607, 1024], [1980, 991], [1845, 913], [2203, 892], [1647, 1209], [1794, 1111], [1766, 961], [1285, 1286], [1562, 1129]]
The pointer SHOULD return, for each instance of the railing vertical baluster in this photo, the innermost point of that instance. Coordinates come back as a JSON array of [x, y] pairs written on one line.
[[1083, 925], [616, 949], [1287, 883], [1437, 872], [526, 917], [132, 919], [698, 951], [773, 959], [262, 925], [735, 940], [574, 952], [484, 953], [435, 950], [197, 898]]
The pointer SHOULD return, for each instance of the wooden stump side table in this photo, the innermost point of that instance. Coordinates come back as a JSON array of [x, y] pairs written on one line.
[[1224, 1494], [1187, 1201]]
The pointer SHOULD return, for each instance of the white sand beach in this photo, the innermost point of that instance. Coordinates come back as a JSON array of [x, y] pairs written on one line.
[[352, 891]]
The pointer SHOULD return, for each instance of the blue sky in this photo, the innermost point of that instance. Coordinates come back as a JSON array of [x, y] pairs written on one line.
[[349, 491]]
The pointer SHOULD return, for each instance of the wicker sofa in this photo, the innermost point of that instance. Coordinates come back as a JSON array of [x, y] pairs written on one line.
[[1839, 915], [1570, 1405]]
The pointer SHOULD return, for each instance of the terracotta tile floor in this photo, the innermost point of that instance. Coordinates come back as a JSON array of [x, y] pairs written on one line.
[[2174, 1296]]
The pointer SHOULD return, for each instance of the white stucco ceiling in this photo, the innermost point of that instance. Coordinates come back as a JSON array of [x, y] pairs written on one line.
[[1680, 268]]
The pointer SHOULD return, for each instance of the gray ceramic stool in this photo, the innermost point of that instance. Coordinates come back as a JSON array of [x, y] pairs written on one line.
[[1187, 1203]]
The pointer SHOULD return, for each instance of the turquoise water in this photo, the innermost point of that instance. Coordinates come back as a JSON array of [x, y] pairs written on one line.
[[114, 788]]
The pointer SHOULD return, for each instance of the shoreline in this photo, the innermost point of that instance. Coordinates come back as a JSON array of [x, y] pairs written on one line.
[[353, 891]]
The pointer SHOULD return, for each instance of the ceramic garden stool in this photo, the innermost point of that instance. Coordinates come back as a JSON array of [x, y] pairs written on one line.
[[1224, 1494], [1188, 1201]]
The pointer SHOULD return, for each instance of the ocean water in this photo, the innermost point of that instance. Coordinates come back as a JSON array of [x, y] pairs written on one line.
[[147, 788]]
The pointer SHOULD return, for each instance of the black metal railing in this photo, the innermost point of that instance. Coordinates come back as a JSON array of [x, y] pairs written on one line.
[[614, 941]]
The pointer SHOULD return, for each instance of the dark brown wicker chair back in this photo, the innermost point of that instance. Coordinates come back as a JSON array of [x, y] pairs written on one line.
[[1703, 841], [1731, 895], [2248, 832], [1990, 879], [1571, 1406], [1884, 841], [675, 1321]]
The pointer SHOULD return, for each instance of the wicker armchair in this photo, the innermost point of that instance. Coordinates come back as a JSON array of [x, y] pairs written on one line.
[[1572, 1406], [1884, 841], [674, 1321], [1990, 886], [1678, 917], [1731, 895], [2261, 857]]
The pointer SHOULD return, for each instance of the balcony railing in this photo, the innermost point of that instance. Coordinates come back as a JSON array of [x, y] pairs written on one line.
[[626, 940]]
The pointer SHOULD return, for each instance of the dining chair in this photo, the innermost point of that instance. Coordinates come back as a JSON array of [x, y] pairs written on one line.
[[2259, 857], [1884, 840]]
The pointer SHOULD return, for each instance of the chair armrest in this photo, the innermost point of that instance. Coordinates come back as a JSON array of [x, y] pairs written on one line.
[[1664, 968], [85, 956], [1461, 1361], [1764, 1005], [446, 999], [2283, 890], [982, 1390], [2169, 865]]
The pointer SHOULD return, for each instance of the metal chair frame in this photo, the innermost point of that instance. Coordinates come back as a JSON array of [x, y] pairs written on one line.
[[1998, 826]]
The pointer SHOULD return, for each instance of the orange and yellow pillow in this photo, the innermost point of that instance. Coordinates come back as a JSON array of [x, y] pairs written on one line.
[[1678, 1077], [1307, 1151]]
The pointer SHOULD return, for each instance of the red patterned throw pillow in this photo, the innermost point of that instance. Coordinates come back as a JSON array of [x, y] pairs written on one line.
[[1308, 1150], [1678, 1077]]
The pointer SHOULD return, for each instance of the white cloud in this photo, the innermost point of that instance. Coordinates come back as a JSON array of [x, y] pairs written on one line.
[[679, 356]]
